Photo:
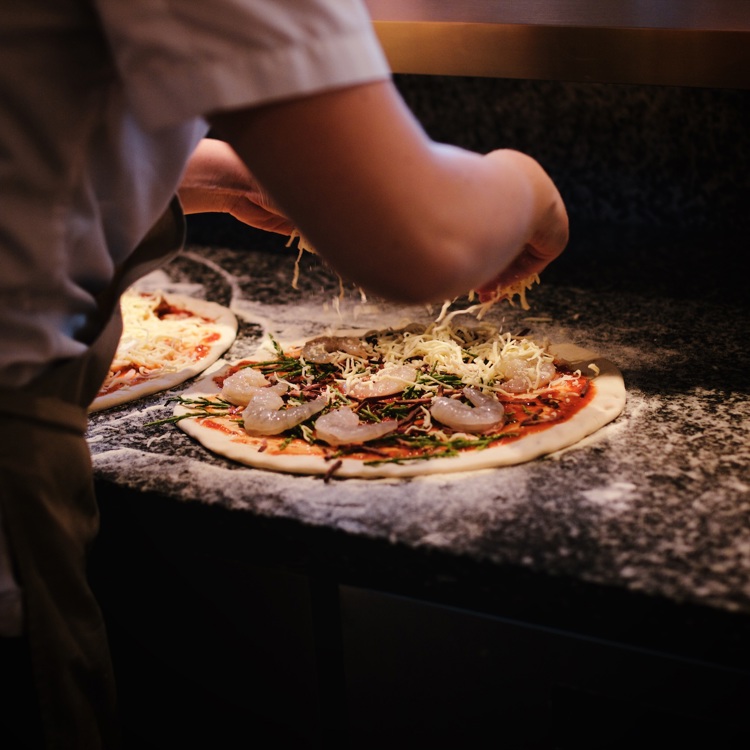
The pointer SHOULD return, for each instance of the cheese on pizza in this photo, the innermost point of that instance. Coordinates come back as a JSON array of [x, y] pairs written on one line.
[[151, 340], [156, 336], [165, 340], [479, 357]]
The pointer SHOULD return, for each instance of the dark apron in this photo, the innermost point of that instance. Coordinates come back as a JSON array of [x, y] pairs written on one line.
[[51, 517]]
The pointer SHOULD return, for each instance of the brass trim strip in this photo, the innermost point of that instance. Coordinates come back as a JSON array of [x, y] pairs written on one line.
[[706, 58]]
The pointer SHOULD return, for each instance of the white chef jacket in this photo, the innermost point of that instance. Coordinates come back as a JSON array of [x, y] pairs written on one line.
[[102, 103]]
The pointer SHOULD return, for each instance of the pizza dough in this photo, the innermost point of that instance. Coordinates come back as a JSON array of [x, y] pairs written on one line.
[[604, 400], [166, 340]]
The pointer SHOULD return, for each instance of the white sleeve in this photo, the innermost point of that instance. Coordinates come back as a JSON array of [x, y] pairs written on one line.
[[184, 58]]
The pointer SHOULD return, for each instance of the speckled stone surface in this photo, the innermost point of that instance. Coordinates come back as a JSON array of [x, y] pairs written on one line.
[[642, 533], [656, 502]]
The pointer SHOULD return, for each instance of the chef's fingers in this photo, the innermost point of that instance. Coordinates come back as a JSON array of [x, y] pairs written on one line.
[[256, 212], [216, 180], [548, 220], [533, 258], [548, 228]]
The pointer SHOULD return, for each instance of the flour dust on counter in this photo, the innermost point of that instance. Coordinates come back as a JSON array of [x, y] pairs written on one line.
[[656, 502]]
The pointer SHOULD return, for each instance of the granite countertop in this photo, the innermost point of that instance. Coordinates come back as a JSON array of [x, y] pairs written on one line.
[[657, 502]]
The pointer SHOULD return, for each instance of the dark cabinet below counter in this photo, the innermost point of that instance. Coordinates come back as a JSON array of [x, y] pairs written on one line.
[[443, 677], [233, 631]]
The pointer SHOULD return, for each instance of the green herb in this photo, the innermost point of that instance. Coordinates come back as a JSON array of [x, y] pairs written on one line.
[[291, 367], [370, 415], [429, 379], [396, 411], [203, 406], [434, 447], [284, 443]]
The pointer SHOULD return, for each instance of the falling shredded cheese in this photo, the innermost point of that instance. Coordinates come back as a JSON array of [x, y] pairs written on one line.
[[303, 247], [302, 243], [508, 293]]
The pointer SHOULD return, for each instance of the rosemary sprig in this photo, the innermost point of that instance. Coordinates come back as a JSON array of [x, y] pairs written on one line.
[[293, 367], [204, 407], [429, 379], [395, 411], [434, 447]]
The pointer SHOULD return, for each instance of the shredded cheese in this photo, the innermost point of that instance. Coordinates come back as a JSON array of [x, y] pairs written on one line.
[[152, 343], [303, 246], [481, 357], [508, 293]]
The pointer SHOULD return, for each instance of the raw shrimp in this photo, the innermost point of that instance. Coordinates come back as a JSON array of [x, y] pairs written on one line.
[[487, 414], [343, 427], [391, 379], [263, 414], [241, 385], [325, 349], [524, 379]]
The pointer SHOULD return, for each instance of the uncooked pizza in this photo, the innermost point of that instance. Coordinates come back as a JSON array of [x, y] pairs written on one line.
[[422, 399], [166, 340]]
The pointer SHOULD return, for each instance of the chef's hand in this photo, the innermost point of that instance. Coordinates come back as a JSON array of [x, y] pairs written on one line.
[[393, 211], [217, 180], [549, 229]]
